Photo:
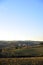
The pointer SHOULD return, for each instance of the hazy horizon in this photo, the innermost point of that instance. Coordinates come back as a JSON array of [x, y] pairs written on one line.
[[21, 20]]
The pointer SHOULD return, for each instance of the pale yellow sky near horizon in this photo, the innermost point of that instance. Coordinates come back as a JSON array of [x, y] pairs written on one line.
[[10, 36]]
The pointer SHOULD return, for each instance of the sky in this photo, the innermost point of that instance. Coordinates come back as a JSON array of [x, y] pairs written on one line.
[[21, 20]]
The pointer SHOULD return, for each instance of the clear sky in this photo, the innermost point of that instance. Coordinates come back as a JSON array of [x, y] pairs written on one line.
[[21, 20]]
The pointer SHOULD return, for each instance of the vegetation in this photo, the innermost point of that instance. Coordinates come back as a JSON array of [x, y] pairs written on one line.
[[22, 61], [21, 53], [30, 51]]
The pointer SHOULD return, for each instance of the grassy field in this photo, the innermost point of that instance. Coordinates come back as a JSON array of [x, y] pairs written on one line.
[[28, 52], [33, 51], [22, 61], [25, 55]]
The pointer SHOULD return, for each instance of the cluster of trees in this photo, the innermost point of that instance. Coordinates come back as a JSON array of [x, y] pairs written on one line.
[[41, 43]]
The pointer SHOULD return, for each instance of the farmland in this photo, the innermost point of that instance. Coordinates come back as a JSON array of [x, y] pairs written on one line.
[[11, 54], [36, 51]]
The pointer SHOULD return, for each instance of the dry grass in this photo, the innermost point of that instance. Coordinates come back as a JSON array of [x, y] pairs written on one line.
[[22, 61]]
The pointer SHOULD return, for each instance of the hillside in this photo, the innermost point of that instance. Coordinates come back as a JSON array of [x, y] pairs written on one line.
[[9, 44]]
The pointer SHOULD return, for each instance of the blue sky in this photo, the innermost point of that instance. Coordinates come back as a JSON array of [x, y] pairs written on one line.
[[21, 20]]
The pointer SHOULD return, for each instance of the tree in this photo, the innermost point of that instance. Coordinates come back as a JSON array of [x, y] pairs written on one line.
[[41, 43]]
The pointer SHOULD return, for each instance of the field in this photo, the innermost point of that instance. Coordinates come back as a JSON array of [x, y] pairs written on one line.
[[31, 51], [23, 52], [22, 61], [31, 55]]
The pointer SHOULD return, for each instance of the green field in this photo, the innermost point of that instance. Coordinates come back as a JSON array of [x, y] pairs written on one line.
[[30, 52], [36, 51], [33, 51]]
